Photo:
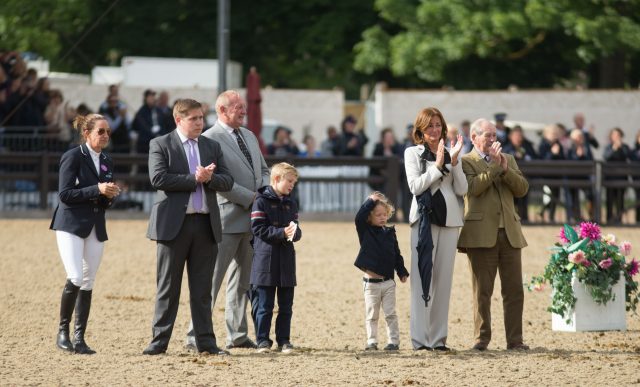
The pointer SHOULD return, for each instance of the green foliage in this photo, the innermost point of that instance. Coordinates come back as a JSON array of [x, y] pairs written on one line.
[[434, 37], [41, 26]]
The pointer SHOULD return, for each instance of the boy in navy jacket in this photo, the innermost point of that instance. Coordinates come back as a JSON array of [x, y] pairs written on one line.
[[274, 223], [379, 256]]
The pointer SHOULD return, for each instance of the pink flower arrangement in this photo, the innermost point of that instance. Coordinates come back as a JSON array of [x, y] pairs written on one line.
[[562, 237], [595, 260], [625, 248], [589, 230], [632, 267], [605, 263], [577, 257], [609, 239]]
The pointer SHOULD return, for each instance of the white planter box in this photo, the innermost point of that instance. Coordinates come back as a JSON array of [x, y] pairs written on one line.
[[590, 316]]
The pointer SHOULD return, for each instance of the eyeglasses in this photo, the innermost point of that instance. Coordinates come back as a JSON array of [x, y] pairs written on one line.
[[102, 131]]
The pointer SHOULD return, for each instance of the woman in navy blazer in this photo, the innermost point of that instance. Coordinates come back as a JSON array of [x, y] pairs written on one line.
[[86, 190]]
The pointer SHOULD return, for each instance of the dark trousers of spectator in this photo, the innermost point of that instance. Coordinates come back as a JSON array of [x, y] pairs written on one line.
[[574, 212], [262, 303], [522, 204], [553, 195], [615, 205], [637, 205]]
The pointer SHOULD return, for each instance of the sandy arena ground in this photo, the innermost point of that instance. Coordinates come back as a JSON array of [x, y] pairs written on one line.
[[327, 329]]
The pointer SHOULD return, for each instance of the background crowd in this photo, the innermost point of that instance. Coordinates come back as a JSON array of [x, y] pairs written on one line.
[[29, 104]]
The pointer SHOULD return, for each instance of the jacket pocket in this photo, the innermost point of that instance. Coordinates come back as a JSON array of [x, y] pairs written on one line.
[[474, 216]]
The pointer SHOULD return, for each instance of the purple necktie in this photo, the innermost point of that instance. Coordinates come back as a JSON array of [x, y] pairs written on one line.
[[193, 163]]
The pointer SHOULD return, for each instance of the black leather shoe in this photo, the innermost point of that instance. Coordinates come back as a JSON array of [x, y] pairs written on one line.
[[248, 344], [150, 350], [423, 348], [442, 348], [480, 346], [215, 351]]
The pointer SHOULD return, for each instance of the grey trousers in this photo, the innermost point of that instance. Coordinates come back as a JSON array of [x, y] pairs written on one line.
[[428, 325], [234, 258]]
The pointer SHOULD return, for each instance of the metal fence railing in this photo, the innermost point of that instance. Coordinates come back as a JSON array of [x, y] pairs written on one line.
[[28, 180]]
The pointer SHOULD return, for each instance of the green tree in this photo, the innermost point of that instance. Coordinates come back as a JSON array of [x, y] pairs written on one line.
[[41, 26], [294, 44], [495, 43]]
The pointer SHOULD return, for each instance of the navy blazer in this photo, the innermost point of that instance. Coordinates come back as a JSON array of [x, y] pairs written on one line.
[[81, 205], [379, 250], [274, 257]]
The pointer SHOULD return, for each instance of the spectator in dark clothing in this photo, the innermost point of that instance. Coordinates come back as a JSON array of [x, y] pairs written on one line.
[[580, 151], [616, 151], [550, 148], [351, 143], [387, 147], [522, 150], [636, 159], [502, 131], [282, 144], [116, 115], [579, 122], [148, 122], [329, 147]]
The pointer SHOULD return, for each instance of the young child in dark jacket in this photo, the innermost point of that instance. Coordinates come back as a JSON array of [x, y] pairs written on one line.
[[274, 223], [379, 256]]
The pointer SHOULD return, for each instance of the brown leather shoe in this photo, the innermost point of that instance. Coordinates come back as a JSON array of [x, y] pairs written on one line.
[[480, 346], [518, 347]]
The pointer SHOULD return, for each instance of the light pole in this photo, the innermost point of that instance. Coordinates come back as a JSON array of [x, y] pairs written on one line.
[[223, 43]]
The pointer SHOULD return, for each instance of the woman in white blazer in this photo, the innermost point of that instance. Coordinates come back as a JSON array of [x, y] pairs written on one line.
[[429, 165]]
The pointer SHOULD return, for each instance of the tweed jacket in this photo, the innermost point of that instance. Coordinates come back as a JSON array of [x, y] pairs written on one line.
[[490, 196]]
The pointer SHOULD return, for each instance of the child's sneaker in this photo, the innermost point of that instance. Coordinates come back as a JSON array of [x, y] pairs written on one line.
[[371, 347], [286, 348], [264, 347], [392, 347]]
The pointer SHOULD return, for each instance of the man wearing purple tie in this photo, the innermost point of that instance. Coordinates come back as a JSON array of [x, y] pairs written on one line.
[[187, 170]]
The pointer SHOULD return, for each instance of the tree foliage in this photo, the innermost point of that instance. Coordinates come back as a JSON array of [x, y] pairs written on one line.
[[510, 41], [294, 44]]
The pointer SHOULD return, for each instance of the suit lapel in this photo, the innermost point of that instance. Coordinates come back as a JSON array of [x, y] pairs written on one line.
[[255, 158], [232, 143], [178, 149], [88, 160]]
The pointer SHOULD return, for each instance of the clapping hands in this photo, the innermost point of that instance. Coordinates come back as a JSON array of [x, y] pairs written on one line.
[[495, 153], [204, 174], [455, 149], [109, 190]]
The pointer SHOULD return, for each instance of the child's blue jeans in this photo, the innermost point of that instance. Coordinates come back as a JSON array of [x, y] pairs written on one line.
[[262, 303]]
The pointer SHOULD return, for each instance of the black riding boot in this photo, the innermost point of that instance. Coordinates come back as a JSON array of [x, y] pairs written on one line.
[[67, 303], [83, 306]]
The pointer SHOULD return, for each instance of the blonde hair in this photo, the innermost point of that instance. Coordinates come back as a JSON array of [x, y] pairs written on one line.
[[385, 203], [182, 107], [86, 123], [281, 170]]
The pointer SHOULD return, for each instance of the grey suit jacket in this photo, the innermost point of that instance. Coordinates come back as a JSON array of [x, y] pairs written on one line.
[[170, 175], [235, 205]]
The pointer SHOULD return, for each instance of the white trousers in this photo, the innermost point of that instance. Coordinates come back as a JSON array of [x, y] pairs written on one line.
[[81, 257], [428, 325], [381, 294]]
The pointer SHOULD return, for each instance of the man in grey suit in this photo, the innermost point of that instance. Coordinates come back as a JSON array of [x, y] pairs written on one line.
[[250, 172], [185, 222]]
